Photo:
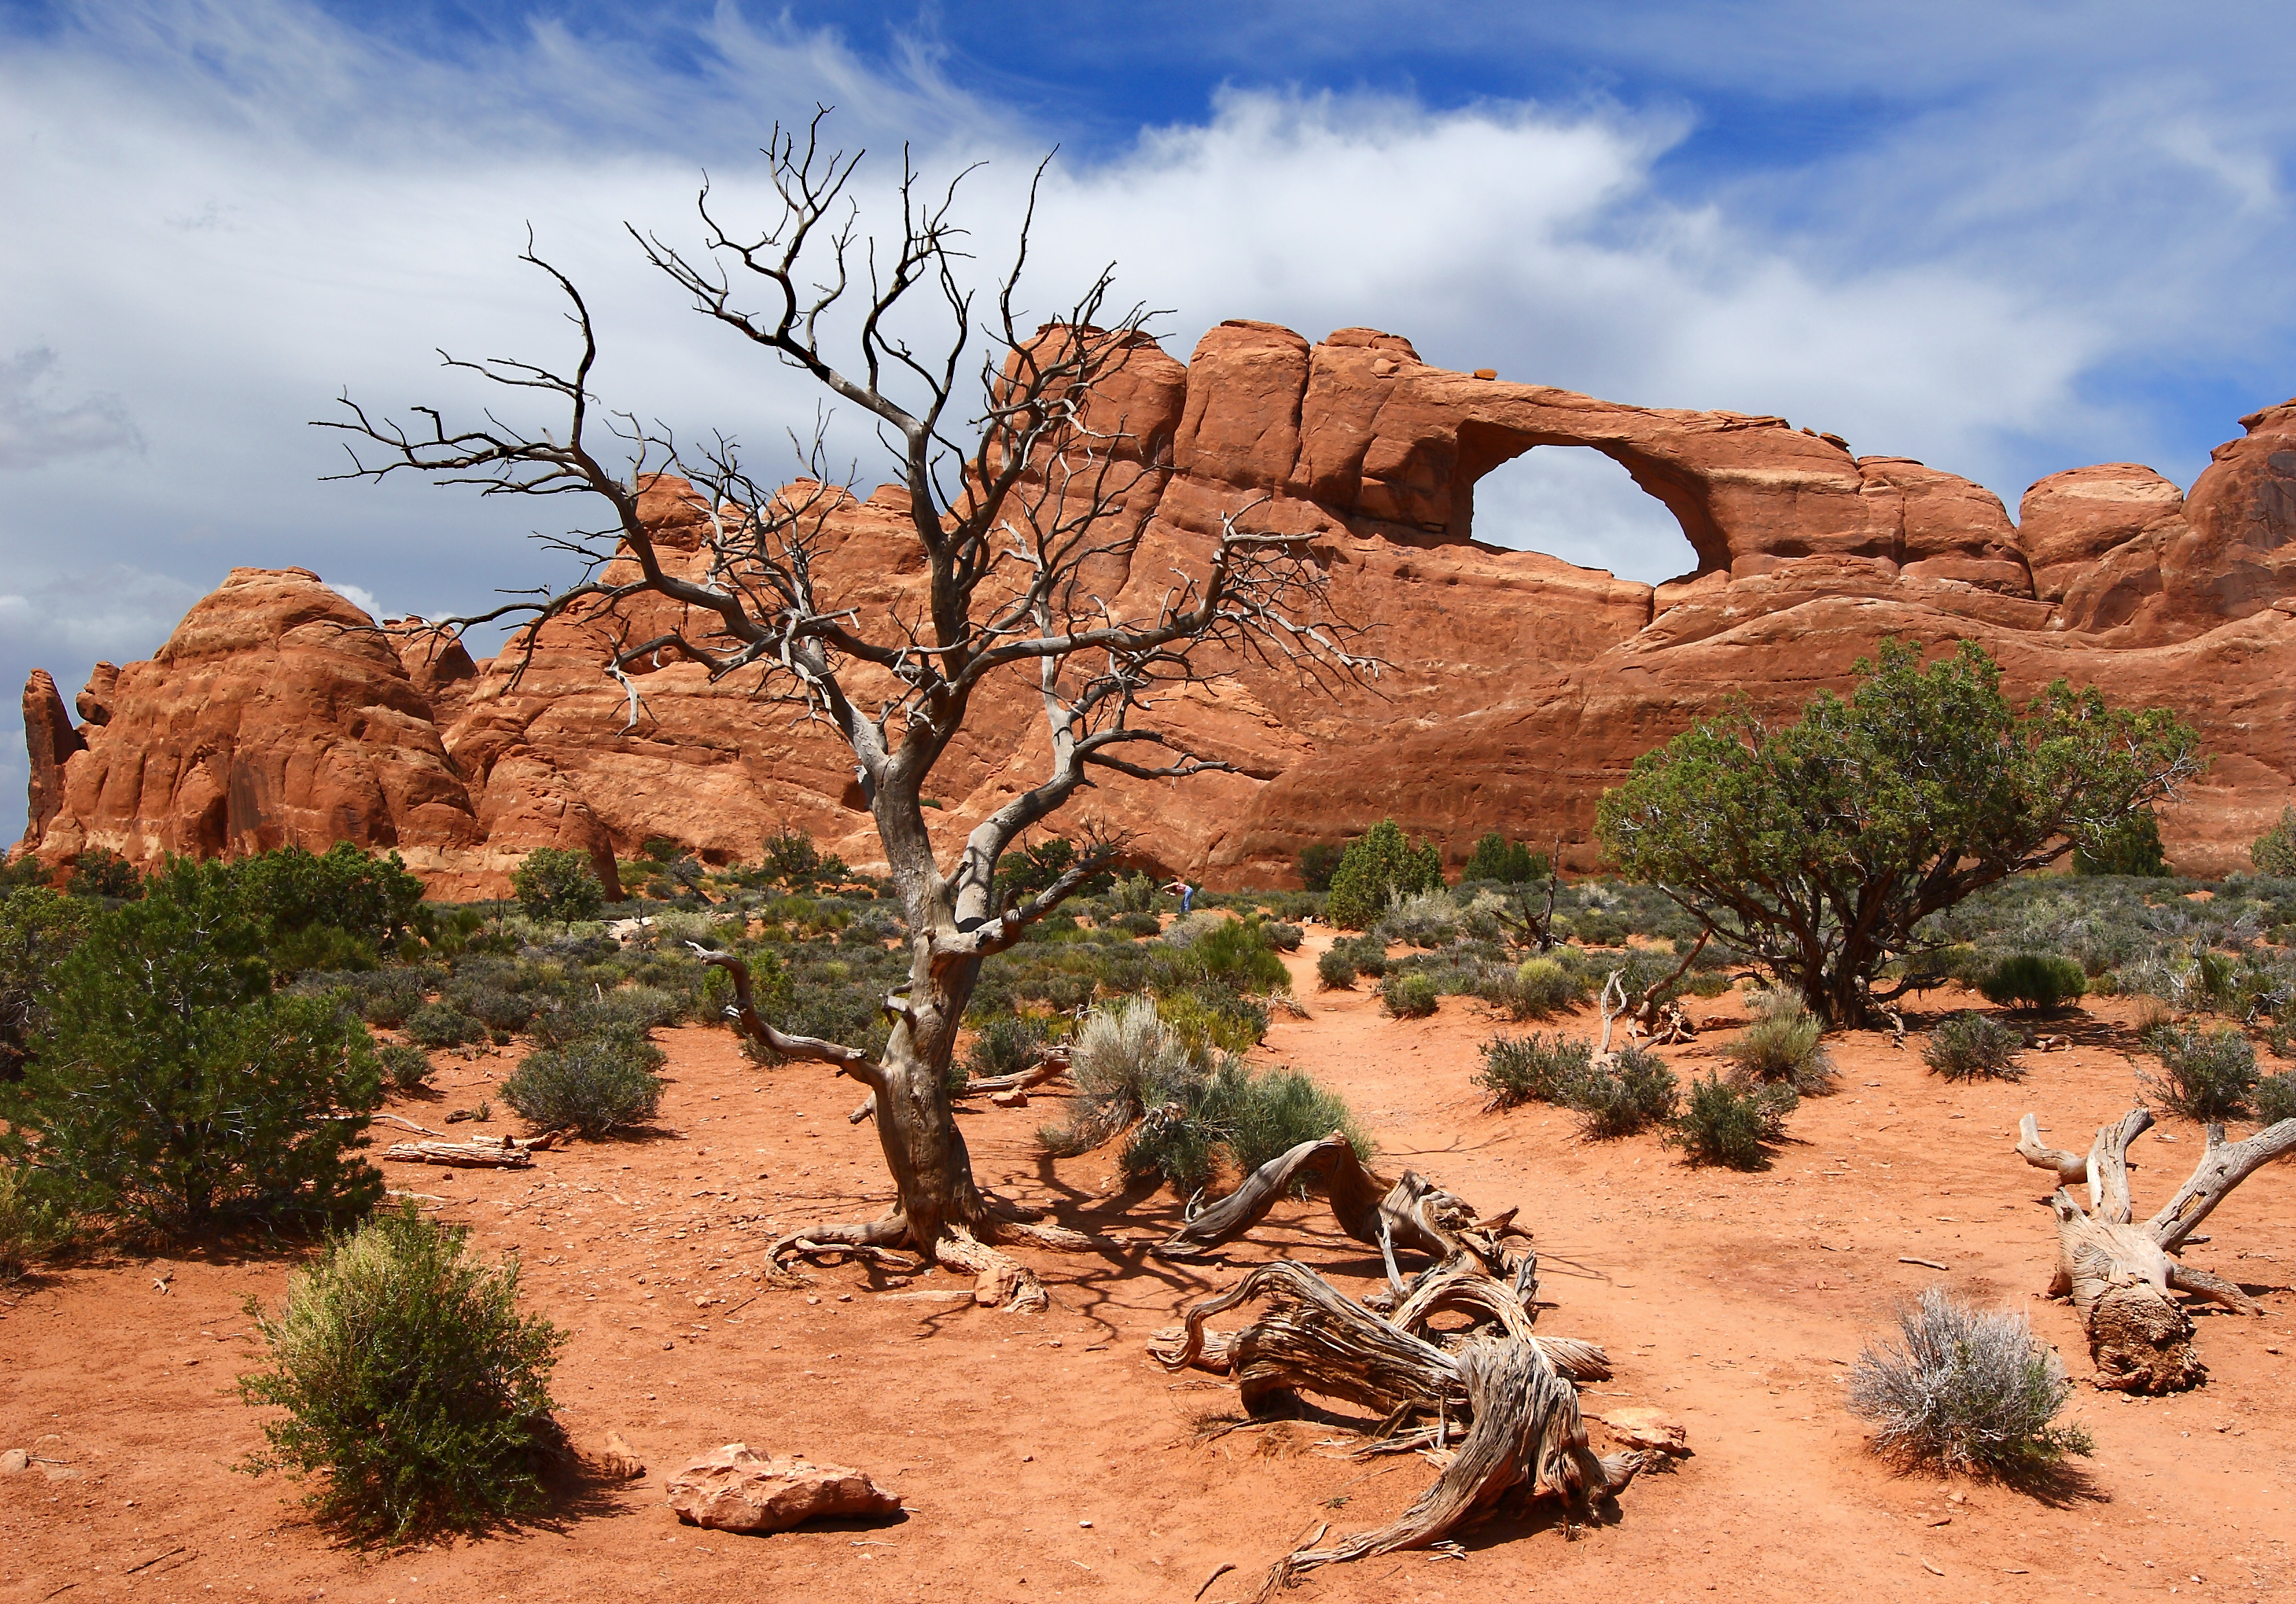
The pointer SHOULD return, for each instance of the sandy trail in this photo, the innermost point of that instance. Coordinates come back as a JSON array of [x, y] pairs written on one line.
[[1733, 1301]]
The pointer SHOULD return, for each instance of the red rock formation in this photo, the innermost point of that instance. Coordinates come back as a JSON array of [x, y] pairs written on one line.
[[1518, 686], [50, 741]]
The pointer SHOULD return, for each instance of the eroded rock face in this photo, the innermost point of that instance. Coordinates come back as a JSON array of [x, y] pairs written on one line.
[[1517, 687], [734, 1489]]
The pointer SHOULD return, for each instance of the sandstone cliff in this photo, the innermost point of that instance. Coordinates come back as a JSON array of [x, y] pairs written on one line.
[[1518, 686]]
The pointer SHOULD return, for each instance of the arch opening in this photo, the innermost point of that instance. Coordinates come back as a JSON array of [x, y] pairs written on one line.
[[1579, 505]]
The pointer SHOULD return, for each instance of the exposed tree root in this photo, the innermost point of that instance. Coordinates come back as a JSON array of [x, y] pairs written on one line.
[[1413, 1213], [2119, 1273]]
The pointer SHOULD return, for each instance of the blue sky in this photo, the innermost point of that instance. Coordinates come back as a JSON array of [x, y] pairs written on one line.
[[2005, 239]]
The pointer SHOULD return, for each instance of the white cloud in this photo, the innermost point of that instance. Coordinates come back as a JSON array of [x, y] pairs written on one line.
[[35, 432], [360, 597]]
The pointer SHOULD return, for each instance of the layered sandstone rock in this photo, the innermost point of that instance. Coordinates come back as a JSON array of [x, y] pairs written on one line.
[[1517, 687]]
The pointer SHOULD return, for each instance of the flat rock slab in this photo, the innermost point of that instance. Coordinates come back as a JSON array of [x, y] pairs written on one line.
[[732, 1489], [1646, 1429]]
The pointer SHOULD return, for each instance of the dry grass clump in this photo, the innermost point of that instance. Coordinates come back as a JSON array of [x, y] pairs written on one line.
[[1962, 1390]]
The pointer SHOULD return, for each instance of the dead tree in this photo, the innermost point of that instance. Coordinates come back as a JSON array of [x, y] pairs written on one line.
[[2119, 1274], [1027, 523]]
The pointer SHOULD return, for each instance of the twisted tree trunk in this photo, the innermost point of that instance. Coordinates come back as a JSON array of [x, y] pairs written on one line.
[[2119, 1274]]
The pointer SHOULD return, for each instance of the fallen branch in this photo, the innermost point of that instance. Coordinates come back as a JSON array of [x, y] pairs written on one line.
[[505, 1153]]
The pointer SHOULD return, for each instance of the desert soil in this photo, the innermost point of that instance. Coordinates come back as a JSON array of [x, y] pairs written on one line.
[[1047, 1455]]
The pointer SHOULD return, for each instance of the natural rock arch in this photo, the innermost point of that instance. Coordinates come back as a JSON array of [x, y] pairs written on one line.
[[1483, 517]]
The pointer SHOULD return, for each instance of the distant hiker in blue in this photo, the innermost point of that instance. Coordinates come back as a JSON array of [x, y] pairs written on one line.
[[1185, 892]]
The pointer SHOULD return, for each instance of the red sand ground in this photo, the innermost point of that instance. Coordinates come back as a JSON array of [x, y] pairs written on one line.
[[1048, 1456]]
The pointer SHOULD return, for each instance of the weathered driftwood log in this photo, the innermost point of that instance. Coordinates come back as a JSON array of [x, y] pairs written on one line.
[[1501, 1394], [504, 1153], [1411, 1213], [2119, 1273]]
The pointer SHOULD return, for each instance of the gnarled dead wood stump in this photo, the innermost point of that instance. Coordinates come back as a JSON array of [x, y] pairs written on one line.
[[2119, 1273], [1493, 1403]]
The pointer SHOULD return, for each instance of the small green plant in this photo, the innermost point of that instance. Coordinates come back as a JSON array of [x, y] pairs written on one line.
[[2205, 1075], [406, 1067], [1785, 1042], [1283, 937], [1540, 988], [1006, 1044], [2273, 852], [1212, 1020], [1974, 1046], [1732, 1124], [597, 1083], [1963, 1390], [32, 1223], [413, 1389], [1532, 1069], [1335, 970], [1379, 866], [1408, 996], [442, 1025], [1134, 893], [1368, 953], [1247, 1117], [558, 883], [1125, 1060], [2040, 981], [390, 997]]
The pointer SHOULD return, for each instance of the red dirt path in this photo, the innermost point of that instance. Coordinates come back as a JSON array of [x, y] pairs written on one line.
[[1047, 1455]]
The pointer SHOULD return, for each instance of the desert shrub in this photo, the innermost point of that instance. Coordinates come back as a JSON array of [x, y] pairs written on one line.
[[493, 1006], [1006, 1044], [2132, 848], [39, 929], [406, 1067], [1234, 953], [1421, 918], [101, 872], [318, 906], [1634, 1091], [1971, 1046], [413, 1389], [2273, 852], [1379, 866], [1784, 1042], [1139, 923], [1538, 988], [596, 1083], [1408, 996], [1133, 894], [33, 1221], [173, 1088], [1532, 1069], [558, 883], [1283, 937], [390, 997], [2204, 1073], [1317, 863], [1964, 1390], [443, 1025], [1262, 1116], [1335, 970], [1511, 863], [2041, 981], [1210, 1019], [1733, 1124], [1125, 1060], [1367, 954], [2275, 1098], [1708, 983], [639, 1008]]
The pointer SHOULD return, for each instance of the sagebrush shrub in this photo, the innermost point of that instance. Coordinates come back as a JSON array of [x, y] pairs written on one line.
[[390, 997], [1733, 1124], [1379, 866], [1408, 996], [407, 1068], [1006, 1044], [1124, 1060], [1784, 1042], [641, 1008], [1139, 923], [2204, 1073], [1634, 1089], [493, 1006], [1212, 1019], [1249, 1117], [558, 883], [1964, 1390], [596, 1083], [442, 1025], [1335, 970], [1283, 937], [1972, 1045], [1421, 918], [2275, 1098], [1368, 953], [1532, 1069], [414, 1390], [2040, 981], [1540, 988]]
